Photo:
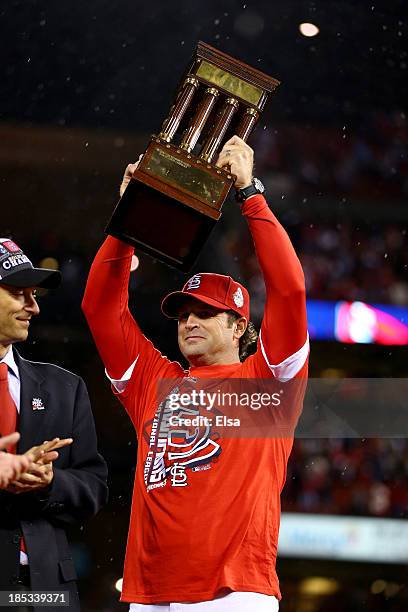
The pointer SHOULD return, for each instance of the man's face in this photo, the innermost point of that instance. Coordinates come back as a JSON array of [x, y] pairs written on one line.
[[205, 335], [17, 306]]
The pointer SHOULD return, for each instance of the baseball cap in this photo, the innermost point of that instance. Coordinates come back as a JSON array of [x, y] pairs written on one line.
[[217, 290], [18, 271]]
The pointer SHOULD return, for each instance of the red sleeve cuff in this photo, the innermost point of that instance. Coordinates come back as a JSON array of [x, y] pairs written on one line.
[[254, 204]]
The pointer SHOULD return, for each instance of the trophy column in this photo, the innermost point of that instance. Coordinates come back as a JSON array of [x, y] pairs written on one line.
[[247, 124], [194, 129], [217, 133], [172, 123]]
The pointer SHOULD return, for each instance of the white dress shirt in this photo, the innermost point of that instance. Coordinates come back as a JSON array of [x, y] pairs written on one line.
[[13, 377]]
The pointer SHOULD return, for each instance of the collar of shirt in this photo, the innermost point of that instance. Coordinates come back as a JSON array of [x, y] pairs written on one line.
[[13, 376]]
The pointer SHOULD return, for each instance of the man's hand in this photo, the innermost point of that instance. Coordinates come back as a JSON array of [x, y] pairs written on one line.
[[40, 472], [46, 452], [37, 477], [9, 440], [128, 175], [238, 158], [12, 466]]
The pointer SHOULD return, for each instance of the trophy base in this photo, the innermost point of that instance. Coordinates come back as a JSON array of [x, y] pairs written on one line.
[[160, 226], [171, 205]]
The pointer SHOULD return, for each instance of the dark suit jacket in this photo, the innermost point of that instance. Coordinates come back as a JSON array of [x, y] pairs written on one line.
[[78, 489]]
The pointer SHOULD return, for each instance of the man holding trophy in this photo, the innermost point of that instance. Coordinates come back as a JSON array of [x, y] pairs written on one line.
[[205, 514]]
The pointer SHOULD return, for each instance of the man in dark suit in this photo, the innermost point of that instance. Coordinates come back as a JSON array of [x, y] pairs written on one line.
[[43, 402]]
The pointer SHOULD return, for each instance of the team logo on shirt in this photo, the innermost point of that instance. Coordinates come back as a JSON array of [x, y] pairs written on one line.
[[178, 476], [176, 450]]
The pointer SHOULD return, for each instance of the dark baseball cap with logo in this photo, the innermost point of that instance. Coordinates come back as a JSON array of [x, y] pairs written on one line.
[[18, 271], [217, 290]]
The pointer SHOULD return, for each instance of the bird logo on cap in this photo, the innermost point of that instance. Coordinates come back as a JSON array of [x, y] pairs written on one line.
[[238, 298]]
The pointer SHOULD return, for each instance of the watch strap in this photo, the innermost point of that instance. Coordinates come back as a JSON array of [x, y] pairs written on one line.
[[243, 194]]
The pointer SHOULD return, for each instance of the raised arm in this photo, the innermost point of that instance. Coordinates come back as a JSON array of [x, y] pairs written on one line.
[[105, 304], [284, 326], [283, 339]]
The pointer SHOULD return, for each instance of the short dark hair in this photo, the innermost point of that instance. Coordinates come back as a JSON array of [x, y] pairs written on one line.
[[249, 340]]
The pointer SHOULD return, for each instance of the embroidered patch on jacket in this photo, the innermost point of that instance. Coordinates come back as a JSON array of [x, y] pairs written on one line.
[[37, 404]]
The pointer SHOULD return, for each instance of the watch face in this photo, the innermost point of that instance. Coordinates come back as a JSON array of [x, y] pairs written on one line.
[[258, 185]]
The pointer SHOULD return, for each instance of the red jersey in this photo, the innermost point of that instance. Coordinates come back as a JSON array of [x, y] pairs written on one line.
[[205, 514]]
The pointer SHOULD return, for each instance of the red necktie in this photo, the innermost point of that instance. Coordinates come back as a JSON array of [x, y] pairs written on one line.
[[8, 409], [8, 416]]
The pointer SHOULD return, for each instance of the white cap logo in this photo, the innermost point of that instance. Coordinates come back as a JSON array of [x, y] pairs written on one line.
[[194, 282], [238, 298]]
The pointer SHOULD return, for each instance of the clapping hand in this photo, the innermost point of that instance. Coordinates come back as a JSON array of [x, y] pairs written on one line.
[[40, 472], [12, 466]]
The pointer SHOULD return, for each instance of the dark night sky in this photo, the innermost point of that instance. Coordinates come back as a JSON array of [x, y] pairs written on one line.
[[116, 64]]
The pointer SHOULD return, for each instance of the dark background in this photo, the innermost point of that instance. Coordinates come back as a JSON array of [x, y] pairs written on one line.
[[83, 85], [113, 65]]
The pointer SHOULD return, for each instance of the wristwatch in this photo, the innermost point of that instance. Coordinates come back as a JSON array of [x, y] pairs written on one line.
[[256, 187]]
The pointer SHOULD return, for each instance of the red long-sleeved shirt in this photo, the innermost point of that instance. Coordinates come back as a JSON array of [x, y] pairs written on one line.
[[206, 518]]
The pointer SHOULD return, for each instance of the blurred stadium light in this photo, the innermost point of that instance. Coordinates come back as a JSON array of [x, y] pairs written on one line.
[[357, 322], [348, 538], [308, 29]]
